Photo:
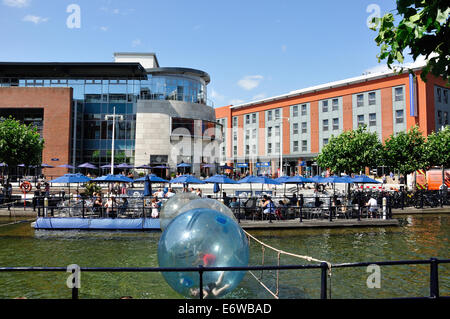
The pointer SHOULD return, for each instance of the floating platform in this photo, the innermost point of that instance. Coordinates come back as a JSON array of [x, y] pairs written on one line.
[[75, 223]]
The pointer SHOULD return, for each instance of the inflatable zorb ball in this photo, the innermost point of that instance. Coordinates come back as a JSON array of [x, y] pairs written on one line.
[[207, 203], [171, 207], [204, 237]]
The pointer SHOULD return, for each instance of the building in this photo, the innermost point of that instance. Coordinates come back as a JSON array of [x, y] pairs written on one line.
[[294, 127], [164, 117]]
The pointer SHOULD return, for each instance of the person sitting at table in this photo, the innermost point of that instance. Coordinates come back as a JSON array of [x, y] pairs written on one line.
[[268, 206], [234, 203], [281, 210], [98, 204], [109, 205], [292, 200], [317, 201], [155, 208], [170, 193]]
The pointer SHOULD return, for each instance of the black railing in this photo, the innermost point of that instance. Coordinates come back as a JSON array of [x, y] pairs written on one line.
[[324, 267]]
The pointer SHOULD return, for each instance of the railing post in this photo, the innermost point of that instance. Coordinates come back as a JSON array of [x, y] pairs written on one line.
[[301, 214], [200, 272], [323, 280], [434, 278], [239, 211], [82, 207], [330, 212], [74, 288]]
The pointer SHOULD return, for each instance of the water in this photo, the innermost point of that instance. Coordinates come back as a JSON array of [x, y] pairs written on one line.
[[421, 237]]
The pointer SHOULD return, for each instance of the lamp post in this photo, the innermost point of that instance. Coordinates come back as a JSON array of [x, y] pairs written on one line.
[[113, 116], [281, 143]]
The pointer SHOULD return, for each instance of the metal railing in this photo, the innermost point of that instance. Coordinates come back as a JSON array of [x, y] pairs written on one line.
[[324, 267]]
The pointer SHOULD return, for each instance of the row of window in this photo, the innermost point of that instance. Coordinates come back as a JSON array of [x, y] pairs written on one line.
[[442, 95]]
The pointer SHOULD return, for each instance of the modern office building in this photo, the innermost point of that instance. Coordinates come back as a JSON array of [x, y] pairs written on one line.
[[163, 116], [294, 127]]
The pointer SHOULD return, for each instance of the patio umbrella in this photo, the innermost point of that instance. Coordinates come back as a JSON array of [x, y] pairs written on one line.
[[43, 165], [66, 166], [338, 179], [147, 186], [219, 179], [184, 165], [113, 178], [87, 165], [186, 179], [364, 179], [108, 166], [161, 166], [216, 188], [145, 166], [297, 179], [124, 165], [251, 179], [71, 178], [226, 167], [153, 179]]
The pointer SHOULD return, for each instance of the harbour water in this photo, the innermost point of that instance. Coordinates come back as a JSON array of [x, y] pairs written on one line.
[[419, 237]]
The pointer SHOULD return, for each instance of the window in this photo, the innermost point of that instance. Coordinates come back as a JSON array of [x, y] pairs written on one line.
[[445, 118], [439, 94], [247, 134], [399, 94], [335, 124], [223, 150], [295, 128], [269, 131], [295, 146], [247, 149], [335, 104], [235, 121], [254, 118], [277, 114], [235, 150], [439, 115], [372, 119], [269, 115], [325, 125], [325, 141], [360, 120], [277, 130], [445, 96], [372, 98], [304, 127], [304, 109], [304, 146], [247, 119], [277, 147], [324, 106], [295, 111], [269, 148], [254, 148], [399, 116], [360, 100], [254, 133]]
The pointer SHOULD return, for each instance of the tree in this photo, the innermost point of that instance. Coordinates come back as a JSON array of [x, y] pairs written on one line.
[[437, 149], [424, 29], [351, 151], [405, 151], [19, 143]]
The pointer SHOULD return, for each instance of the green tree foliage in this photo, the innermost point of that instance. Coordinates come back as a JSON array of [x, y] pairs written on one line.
[[351, 151], [423, 29], [19, 143], [405, 151], [437, 148]]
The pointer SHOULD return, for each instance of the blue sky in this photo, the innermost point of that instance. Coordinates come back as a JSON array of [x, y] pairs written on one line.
[[251, 49]]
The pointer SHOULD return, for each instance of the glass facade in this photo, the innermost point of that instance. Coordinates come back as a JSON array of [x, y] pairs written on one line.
[[93, 99]]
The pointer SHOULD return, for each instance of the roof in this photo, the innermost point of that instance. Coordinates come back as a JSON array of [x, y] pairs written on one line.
[[72, 70], [326, 86], [177, 70]]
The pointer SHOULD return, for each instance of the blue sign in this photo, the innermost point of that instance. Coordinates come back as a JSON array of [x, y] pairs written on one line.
[[263, 164], [55, 159], [242, 165], [412, 107], [302, 163]]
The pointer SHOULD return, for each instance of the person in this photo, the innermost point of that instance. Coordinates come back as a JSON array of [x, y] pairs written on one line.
[[292, 200], [226, 199], [383, 179], [392, 176], [46, 189], [109, 205], [124, 206], [159, 193], [124, 189], [234, 203], [206, 259], [373, 207], [280, 212], [211, 289], [155, 208], [268, 206], [199, 192], [317, 201], [98, 204], [170, 193]]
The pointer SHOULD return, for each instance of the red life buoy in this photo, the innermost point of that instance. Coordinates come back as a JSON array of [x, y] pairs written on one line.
[[26, 186]]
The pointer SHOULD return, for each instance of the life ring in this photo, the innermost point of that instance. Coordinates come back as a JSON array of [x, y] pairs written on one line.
[[26, 186]]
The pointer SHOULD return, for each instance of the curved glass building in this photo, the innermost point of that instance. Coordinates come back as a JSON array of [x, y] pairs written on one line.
[[163, 114]]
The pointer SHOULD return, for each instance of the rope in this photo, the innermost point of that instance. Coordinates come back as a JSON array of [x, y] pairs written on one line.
[[279, 252]]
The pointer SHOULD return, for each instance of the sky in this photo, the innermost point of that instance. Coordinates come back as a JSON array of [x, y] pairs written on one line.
[[251, 49]]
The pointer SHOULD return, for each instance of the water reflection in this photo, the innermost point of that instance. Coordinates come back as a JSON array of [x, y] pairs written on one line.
[[421, 237]]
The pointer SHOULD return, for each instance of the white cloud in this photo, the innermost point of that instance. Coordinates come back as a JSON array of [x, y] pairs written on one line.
[[103, 28], [283, 48], [216, 95], [249, 82], [34, 19], [236, 101], [259, 96], [17, 3], [136, 42]]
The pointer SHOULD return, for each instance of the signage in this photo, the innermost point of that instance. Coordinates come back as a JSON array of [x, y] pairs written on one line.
[[55, 159], [262, 164], [242, 165]]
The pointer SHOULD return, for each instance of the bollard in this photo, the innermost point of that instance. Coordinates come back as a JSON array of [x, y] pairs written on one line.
[[301, 213], [330, 210], [384, 207], [434, 279], [323, 280], [45, 206]]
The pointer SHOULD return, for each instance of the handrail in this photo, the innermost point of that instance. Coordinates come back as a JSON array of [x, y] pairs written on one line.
[[433, 262]]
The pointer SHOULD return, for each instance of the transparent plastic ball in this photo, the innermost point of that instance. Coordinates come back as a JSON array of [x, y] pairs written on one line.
[[204, 237], [171, 207], [207, 203]]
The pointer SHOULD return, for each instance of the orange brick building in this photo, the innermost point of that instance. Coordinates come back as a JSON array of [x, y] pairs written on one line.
[[301, 122]]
